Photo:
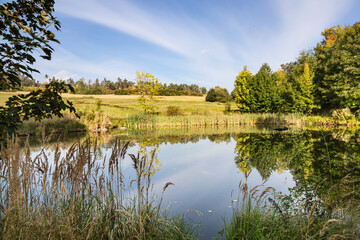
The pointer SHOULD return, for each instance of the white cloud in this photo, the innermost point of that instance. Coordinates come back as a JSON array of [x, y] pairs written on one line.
[[64, 75], [65, 63], [180, 34], [209, 53]]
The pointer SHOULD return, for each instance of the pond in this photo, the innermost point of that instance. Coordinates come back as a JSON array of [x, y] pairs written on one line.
[[206, 166]]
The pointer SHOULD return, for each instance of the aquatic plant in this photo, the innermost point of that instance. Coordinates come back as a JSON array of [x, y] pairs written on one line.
[[265, 214], [77, 195]]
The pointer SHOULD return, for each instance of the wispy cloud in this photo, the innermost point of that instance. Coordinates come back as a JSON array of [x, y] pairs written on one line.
[[179, 33], [212, 50], [65, 64]]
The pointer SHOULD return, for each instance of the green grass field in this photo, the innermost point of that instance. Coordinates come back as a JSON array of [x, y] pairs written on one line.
[[123, 111], [120, 106]]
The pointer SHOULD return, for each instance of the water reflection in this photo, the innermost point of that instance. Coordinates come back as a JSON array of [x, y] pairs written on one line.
[[206, 165]]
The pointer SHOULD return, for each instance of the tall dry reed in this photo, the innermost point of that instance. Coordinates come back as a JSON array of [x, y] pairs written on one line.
[[75, 194], [260, 213]]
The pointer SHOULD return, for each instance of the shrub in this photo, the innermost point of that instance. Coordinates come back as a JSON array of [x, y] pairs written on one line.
[[174, 111], [210, 96], [90, 91], [227, 107], [218, 94], [122, 92]]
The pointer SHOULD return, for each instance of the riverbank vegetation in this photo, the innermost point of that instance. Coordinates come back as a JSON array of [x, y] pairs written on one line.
[[265, 214], [319, 88], [105, 112], [78, 195], [82, 192]]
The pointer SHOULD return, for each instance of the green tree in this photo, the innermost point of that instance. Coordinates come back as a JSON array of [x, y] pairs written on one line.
[[211, 96], [218, 94], [241, 91], [337, 74], [203, 90], [286, 93], [305, 98], [264, 93], [25, 28], [295, 82], [147, 87]]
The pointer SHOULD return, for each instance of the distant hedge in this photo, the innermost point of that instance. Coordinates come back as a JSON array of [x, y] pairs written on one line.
[[122, 92]]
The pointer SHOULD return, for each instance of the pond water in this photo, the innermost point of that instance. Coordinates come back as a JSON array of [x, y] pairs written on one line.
[[206, 166]]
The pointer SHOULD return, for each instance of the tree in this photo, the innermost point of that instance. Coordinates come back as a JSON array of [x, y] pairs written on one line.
[[241, 91], [218, 94], [264, 93], [148, 87], [37, 104], [80, 83], [286, 92], [337, 74], [305, 87], [24, 28], [211, 96], [203, 90]]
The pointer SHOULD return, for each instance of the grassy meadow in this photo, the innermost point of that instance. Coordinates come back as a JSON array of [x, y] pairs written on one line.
[[103, 112], [79, 196]]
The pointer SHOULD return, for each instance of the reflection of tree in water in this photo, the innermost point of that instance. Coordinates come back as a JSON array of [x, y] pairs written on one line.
[[312, 157], [331, 161], [150, 149], [266, 153], [219, 138], [242, 159]]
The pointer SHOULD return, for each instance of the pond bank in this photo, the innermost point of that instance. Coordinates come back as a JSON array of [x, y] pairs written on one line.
[[102, 122]]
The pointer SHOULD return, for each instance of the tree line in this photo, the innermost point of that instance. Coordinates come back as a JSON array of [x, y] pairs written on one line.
[[118, 87], [324, 78]]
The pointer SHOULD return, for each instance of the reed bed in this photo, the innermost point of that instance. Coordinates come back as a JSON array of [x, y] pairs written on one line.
[[261, 213], [76, 195], [153, 121], [66, 124]]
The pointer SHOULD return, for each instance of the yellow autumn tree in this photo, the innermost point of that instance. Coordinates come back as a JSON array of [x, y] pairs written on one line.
[[242, 159], [305, 87], [242, 90], [147, 87]]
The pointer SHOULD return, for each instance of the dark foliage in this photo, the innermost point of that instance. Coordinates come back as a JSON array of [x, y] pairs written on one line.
[[25, 28], [218, 94]]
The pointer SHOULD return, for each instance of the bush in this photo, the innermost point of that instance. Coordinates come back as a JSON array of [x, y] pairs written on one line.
[[218, 94], [90, 91], [174, 111], [211, 96], [122, 92], [227, 107]]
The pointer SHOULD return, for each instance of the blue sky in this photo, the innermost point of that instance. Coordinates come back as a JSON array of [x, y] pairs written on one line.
[[204, 42]]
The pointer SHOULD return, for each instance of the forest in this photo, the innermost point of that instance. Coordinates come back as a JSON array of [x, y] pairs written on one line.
[[118, 87], [322, 79]]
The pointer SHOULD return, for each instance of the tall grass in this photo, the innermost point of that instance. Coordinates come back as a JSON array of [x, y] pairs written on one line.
[[265, 215], [148, 121], [68, 123], [74, 195]]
